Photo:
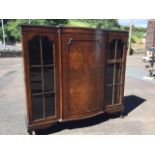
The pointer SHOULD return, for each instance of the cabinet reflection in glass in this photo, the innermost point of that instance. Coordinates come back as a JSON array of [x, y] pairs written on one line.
[[36, 80]]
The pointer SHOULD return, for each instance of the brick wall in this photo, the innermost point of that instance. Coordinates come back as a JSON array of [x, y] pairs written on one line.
[[150, 33]]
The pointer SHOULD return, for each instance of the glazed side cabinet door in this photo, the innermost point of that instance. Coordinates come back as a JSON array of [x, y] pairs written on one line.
[[41, 74], [82, 75], [115, 69]]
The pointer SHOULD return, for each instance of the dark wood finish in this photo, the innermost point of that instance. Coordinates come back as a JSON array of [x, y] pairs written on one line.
[[72, 73], [115, 57], [81, 61]]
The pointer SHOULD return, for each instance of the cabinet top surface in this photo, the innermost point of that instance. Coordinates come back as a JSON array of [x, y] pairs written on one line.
[[66, 29]]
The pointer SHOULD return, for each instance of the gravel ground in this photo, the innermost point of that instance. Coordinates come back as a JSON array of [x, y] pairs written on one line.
[[139, 103]]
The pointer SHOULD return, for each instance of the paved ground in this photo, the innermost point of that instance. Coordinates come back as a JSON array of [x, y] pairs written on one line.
[[139, 102], [12, 99]]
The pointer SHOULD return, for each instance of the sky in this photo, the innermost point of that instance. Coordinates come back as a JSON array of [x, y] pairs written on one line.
[[136, 22]]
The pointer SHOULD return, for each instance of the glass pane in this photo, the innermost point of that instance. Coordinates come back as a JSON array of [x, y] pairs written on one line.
[[120, 46], [118, 73], [48, 79], [110, 74], [47, 49], [108, 96], [34, 51], [111, 51], [49, 105], [36, 82], [117, 95], [37, 107]]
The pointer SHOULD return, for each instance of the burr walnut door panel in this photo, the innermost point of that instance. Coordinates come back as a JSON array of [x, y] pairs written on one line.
[[82, 75]]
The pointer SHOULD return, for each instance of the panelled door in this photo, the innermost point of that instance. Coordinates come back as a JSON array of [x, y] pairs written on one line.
[[82, 75], [115, 71], [41, 59]]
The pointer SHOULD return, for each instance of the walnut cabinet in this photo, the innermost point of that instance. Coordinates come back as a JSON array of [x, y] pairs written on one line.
[[72, 73]]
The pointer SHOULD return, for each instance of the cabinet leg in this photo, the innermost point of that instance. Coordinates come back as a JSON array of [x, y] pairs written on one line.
[[122, 114], [31, 132]]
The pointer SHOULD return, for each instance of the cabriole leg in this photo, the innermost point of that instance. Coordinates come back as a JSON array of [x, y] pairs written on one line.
[[122, 114], [31, 132]]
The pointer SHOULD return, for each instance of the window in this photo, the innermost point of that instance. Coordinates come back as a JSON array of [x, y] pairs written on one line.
[[42, 77], [114, 72]]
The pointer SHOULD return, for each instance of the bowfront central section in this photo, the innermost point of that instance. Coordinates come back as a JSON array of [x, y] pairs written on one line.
[[83, 76]]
